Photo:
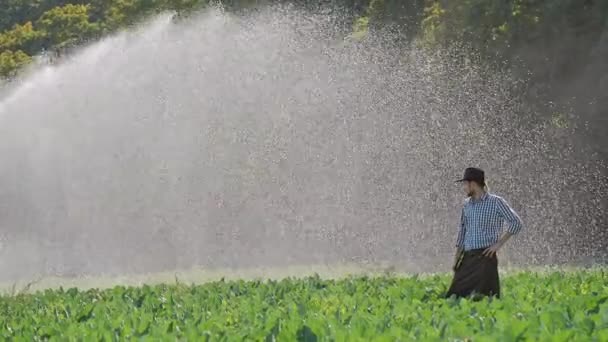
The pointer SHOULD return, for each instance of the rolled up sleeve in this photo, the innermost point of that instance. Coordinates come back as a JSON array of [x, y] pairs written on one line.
[[515, 223]]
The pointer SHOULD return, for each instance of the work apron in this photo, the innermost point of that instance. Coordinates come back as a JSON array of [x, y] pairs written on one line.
[[476, 275]]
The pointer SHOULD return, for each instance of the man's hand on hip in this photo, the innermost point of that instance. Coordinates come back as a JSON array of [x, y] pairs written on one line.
[[491, 251]]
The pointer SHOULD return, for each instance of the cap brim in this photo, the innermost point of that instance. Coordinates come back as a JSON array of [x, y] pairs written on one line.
[[460, 180]]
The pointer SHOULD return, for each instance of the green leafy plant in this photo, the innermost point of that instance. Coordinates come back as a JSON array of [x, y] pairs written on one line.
[[556, 306]]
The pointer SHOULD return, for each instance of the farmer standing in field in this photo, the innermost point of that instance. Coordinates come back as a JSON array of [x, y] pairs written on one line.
[[479, 238]]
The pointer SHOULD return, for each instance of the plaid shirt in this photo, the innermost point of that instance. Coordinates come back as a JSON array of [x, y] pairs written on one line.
[[482, 220]]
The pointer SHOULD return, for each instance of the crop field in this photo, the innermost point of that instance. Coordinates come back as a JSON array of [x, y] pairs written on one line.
[[546, 306]]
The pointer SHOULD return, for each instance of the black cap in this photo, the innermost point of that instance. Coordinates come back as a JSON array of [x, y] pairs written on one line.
[[473, 174]]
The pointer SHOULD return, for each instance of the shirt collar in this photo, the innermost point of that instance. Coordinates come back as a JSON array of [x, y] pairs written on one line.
[[481, 199]]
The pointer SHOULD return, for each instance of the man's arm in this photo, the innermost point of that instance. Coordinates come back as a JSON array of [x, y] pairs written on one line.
[[515, 226], [459, 240], [459, 251], [515, 223], [461, 232]]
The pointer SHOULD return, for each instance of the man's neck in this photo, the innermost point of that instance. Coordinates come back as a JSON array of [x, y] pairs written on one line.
[[477, 195]]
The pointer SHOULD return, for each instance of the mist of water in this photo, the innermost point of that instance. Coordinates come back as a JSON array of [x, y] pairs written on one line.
[[266, 140]]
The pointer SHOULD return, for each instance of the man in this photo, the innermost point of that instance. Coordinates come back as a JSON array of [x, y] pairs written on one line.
[[479, 238]]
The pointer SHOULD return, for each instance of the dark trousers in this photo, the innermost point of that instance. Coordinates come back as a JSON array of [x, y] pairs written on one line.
[[477, 275]]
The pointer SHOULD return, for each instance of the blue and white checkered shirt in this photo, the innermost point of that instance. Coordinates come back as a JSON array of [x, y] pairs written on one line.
[[482, 220]]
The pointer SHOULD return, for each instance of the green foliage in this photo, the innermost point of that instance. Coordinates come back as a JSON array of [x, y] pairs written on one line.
[[432, 28], [11, 62], [66, 26], [563, 31], [559, 306], [125, 12], [553, 45], [30, 27], [23, 37], [360, 28]]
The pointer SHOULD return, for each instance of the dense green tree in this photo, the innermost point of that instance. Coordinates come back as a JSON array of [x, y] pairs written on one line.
[[23, 37], [20, 11], [125, 12], [66, 26], [11, 61]]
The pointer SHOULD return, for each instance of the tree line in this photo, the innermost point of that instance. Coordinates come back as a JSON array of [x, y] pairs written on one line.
[[560, 47], [562, 31]]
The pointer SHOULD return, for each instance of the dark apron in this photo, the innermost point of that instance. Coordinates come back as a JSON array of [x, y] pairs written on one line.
[[476, 275]]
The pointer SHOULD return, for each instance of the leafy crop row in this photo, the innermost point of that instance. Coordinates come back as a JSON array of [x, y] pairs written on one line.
[[559, 306]]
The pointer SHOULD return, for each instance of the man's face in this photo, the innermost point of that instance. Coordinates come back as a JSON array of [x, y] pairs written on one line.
[[468, 188]]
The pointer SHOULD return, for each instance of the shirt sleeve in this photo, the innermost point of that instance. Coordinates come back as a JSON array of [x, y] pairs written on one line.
[[514, 221], [461, 231]]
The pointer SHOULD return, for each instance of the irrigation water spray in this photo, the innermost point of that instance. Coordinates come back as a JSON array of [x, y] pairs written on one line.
[[269, 140]]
